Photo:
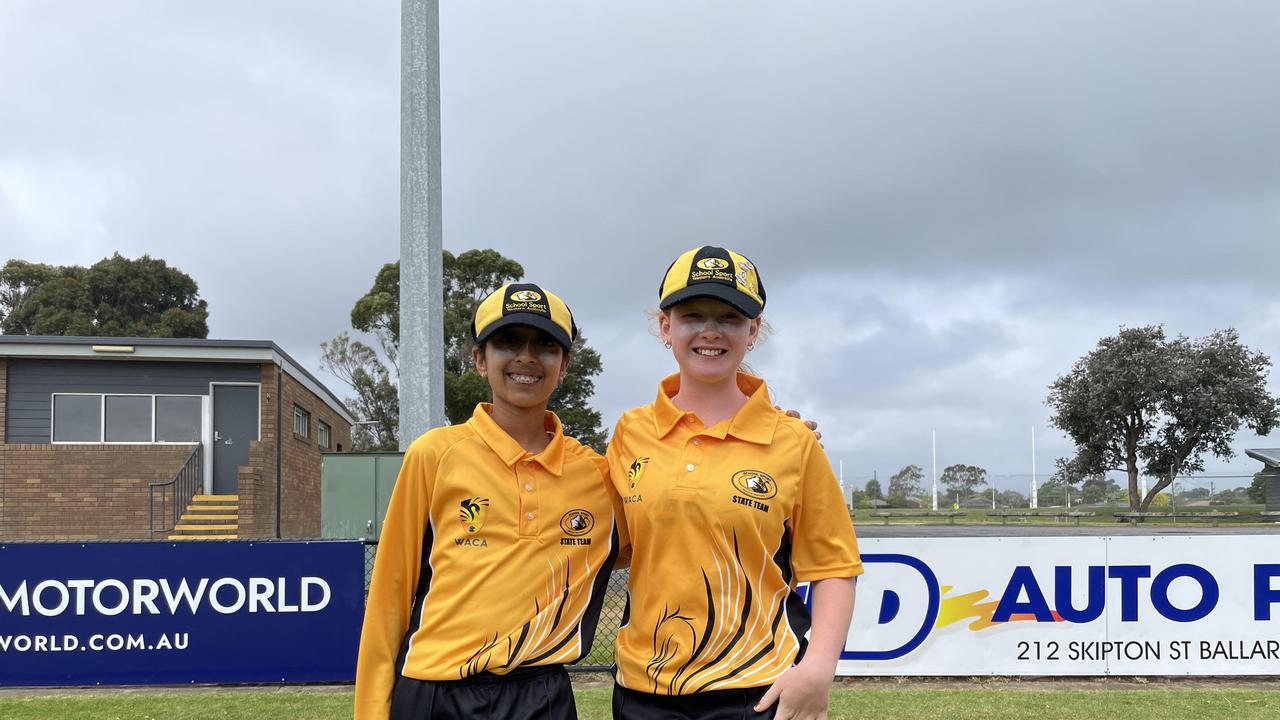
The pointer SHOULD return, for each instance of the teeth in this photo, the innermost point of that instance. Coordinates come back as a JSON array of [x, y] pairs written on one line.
[[709, 352], [523, 379]]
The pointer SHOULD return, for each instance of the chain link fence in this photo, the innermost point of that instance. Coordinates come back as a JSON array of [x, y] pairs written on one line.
[[600, 657]]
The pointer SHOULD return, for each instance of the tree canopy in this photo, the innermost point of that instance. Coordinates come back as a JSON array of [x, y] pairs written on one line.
[[468, 278], [962, 480], [116, 297], [904, 484], [1143, 404], [873, 490]]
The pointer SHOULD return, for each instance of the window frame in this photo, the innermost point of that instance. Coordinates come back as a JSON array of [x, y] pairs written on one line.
[[324, 431], [298, 410], [102, 419]]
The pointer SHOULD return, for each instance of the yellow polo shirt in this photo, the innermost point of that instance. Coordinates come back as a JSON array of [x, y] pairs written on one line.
[[723, 522], [491, 558]]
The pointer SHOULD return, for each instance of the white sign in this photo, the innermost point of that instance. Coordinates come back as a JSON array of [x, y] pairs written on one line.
[[1162, 605]]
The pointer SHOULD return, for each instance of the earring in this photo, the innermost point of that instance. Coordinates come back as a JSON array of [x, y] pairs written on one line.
[[751, 346], [666, 345]]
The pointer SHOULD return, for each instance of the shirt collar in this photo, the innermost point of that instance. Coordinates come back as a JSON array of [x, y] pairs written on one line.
[[510, 451], [754, 422]]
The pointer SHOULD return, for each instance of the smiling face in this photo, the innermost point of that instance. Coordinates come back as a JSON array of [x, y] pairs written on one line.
[[523, 365], [709, 338]]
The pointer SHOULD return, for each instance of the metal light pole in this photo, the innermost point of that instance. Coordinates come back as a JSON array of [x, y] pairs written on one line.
[[935, 470], [1035, 503], [421, 262]]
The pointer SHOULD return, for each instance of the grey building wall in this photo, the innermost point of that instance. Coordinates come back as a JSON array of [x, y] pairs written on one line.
[[33, 382], [1271, 490]]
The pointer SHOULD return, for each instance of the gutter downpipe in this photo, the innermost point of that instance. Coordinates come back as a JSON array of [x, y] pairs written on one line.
[[279, 442]]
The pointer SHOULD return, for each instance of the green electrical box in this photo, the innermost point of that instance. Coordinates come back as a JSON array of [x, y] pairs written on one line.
[[354, 491]]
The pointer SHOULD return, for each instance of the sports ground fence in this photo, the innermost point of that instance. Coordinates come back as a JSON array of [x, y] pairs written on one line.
[[1059, 605]]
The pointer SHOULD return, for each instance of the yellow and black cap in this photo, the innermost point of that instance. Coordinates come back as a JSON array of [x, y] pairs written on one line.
[[524, 304], [717, 273]]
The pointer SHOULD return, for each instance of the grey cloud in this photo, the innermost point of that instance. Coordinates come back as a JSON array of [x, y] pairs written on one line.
[[1095, 163]]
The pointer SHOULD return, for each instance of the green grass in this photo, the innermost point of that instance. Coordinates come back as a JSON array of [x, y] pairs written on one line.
[[1150, 702], [180, 705]]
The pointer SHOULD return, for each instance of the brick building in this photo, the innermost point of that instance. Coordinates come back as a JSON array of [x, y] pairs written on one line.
[[148, 437]]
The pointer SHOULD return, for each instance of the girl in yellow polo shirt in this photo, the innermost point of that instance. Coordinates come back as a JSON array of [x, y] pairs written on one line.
[[729, 503], [497, 543]]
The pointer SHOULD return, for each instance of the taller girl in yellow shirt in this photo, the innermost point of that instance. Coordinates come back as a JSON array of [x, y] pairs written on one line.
[[729, 503]]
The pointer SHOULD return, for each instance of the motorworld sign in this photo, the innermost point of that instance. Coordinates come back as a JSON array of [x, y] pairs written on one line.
[[1155, 605], [202, 612]]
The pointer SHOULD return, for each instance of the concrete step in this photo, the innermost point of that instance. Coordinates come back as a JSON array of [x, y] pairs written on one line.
[[204, 537], [205, 516], [203, 528], [216, 498], [213, 508]]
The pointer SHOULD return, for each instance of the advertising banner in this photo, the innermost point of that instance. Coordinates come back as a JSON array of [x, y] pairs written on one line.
[[1149, 605], [170, 613]]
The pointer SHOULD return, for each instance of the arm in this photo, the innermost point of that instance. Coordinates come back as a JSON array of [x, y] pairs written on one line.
[[391, 590], [804, 690], [613, 467], [825, 553]]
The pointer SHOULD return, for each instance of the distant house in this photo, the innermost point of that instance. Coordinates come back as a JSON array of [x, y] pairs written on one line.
[[1270, 459], [147, 437]]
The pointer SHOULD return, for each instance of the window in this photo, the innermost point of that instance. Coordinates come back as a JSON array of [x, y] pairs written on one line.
[[128, 418], [301, 422], [178, 419], [77, 418], [84, 418], [322, 434]]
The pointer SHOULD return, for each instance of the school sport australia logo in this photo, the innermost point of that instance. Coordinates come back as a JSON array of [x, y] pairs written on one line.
[[474, 512], [756, 487], [636, 471], [575, 524], [526, 301], [712, 268]]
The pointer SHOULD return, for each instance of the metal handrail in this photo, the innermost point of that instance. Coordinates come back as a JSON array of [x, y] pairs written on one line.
[[176, 494]]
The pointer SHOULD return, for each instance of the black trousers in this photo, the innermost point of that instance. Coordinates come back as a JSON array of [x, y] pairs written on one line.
[[537, 693], [709, 705]]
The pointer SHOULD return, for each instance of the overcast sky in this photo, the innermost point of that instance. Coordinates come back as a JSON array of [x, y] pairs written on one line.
[[949, 202]]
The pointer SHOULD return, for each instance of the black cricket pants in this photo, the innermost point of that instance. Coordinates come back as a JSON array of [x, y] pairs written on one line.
[[537, 693], [709, 705]]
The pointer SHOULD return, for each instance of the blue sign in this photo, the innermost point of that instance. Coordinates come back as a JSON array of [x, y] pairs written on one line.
[[168, 613]]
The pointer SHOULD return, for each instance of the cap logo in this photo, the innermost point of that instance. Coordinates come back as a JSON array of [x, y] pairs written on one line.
[[530, 301], [711, 270], [755, 484]]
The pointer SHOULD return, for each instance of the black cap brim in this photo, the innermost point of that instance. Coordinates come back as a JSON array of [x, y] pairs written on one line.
[[539, 322], [739, 300]]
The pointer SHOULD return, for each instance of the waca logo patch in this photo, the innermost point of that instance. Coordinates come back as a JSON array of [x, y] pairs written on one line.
[[474, 512], [636, 470]]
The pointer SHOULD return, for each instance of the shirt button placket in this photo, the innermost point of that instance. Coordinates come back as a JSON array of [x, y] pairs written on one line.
[[693, 462], [526, 481]]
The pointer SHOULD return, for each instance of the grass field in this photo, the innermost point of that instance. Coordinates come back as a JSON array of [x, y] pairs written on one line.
[[1132, 702]]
